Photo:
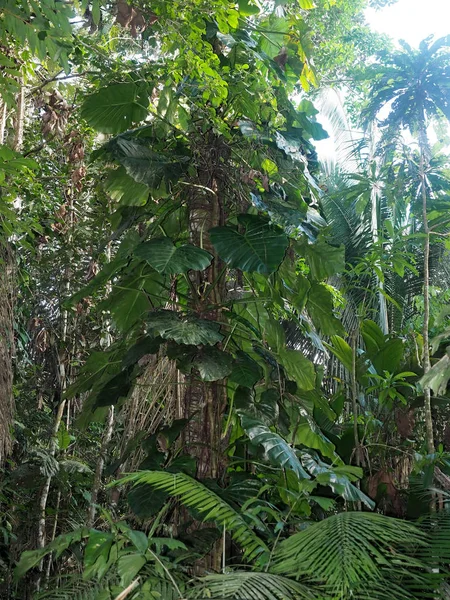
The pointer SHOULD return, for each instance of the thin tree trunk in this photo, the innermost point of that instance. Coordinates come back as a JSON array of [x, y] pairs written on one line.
[[41, 535], [109, 422], [99, 467], [2, 122], [6, 346], [19, 121], [424, 152], [355, 411], [7, 293]]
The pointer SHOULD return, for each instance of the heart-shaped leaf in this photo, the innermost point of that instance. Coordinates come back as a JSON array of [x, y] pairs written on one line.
[[259, 246], [165, 257]]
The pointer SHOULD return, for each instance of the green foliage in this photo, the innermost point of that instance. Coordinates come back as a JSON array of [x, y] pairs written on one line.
[[209, 505], [260, 247], [116, 108], [166, 258], [348, 551], [246, 586]]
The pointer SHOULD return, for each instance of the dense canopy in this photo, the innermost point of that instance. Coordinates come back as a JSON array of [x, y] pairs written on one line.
[[224, 358]]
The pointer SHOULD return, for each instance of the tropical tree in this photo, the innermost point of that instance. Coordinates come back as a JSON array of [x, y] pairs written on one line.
[[414, 83]]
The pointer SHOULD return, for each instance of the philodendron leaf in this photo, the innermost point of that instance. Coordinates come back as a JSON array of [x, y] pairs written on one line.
[[438, 376], [320, 309], [298, 368], [115, 108], [246, 371], [184, 328], [165, 257], [258, 246], [212, 364], [276, 448]]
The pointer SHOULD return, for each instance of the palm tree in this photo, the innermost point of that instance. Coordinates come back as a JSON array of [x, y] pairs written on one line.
[[414, 84]]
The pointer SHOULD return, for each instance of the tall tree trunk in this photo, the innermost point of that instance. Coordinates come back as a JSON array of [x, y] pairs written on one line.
[[7, 286], [6, 346], [424, 158], [53, 444], [204, 402]]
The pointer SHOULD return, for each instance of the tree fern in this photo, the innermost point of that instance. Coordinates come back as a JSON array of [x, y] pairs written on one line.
[[194, 494], [349, 549], [240, 585]]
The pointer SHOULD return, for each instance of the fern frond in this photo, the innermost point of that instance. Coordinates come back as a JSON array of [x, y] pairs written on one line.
[[194, 494], [240, 585]]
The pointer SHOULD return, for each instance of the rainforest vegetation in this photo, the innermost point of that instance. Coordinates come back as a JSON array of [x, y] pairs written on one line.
[[224, 303]]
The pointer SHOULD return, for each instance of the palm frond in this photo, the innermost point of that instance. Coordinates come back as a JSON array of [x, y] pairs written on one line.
[[241, 585], [194, 494], [73, 587], [348, 549]]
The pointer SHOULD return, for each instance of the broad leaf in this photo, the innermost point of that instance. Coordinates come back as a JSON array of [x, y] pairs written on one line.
[[212, 364], [278, 451], [184, 328], [116, 388], [259, 247], [438, 376], [124, 189], [167, 258], [115, 108], [298, 368], [323, 259], [320, 309], [246, 371], [128, 566]]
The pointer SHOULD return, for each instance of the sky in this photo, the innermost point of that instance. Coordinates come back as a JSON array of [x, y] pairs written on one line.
[[412, 20], [409, 20]]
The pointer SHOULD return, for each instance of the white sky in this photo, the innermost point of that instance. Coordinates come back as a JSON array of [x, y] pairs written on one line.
[[409, 20], [412, 20]]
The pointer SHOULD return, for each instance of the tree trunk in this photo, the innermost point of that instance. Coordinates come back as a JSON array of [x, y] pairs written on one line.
[[424, 156], [6, 347], [99, 467], [7, 285], [204, 403]]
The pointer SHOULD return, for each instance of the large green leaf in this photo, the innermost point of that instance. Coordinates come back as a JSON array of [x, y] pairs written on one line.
[[438, 376], [246, 371], [298, 368], [128, 566], [338, 478], [165, 257], [373, 337], [264, 409], [323, 259], [212, 364], [116, 388], [127, 303], [279, 452], [115, 108], [320, 309], [124, 189], [308, 434], [259, 247], [184, 328], [143, 164]]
